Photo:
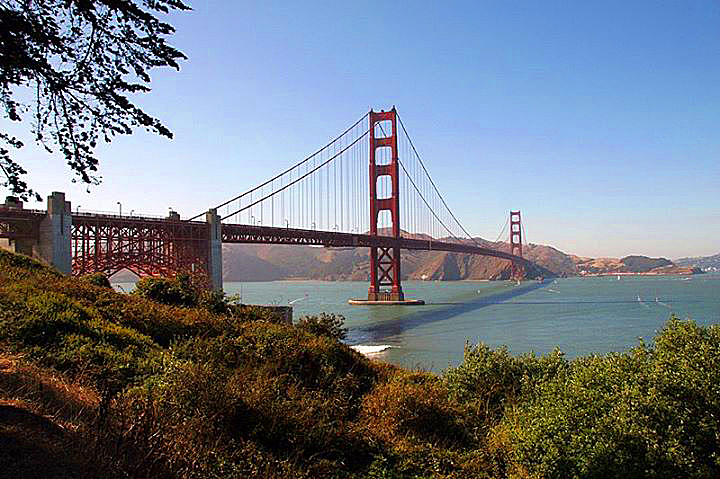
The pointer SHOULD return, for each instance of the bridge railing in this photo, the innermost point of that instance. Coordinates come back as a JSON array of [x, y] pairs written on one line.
[[5, 209], [115, 214]]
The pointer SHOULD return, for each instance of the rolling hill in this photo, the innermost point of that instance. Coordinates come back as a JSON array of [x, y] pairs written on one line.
[[255, 262]]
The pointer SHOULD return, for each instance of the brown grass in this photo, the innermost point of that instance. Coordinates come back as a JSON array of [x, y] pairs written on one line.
[[45, 392]]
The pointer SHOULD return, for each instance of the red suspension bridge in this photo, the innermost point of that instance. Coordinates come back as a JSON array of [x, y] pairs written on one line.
[[368, 187]]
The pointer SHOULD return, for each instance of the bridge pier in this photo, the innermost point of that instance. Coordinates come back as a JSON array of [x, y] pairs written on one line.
[[384, 261], [54, 239], [25, 240], [214, 249], [517, 272]]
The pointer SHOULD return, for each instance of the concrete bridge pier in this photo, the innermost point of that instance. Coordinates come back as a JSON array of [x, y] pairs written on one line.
[[54, 241], [214, 249]]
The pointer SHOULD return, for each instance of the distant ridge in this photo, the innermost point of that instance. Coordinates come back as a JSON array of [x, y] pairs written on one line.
[[706, 263], [253, 262]]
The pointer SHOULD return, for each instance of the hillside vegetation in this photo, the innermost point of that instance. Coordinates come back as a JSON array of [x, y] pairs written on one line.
[[176, 382]]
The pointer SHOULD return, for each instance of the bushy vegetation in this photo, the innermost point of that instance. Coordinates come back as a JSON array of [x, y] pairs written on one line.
[[189, 291], [651, 412], [182, 290], [190, 387], [490, 380], [323, 324]]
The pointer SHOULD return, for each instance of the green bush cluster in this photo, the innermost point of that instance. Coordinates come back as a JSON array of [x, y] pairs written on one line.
[[324, 324], [181, 290], [197, 387], [98, 279], [651, 412], [288, 397], [491, 379], [188, 291]]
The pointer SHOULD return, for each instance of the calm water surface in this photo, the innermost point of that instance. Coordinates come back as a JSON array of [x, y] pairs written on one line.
[[577, 315]]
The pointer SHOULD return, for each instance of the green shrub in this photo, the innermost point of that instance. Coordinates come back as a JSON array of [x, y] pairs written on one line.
[[177, 291], [48, 317], [196, 386], [329, 325], [58, 331], [651, 412], [491, 379], [315, 362], [192, 292], [21, 266], [97, 279]]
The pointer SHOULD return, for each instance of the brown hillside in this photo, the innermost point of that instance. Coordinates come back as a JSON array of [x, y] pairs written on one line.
[[252, 262]]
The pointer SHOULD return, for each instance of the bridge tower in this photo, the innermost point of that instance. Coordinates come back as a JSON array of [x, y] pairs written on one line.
[[518, 271], [384, 262]]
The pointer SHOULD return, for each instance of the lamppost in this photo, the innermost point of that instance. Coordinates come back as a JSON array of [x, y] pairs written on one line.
[[253, 220], [77, 209], [287, 223], [120, 205]]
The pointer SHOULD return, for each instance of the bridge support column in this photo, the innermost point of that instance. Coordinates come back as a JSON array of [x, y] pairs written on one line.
[[517, 271], [214, 249], [54, 238], [384, 262]]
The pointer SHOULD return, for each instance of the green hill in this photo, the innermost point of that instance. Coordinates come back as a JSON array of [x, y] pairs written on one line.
[[643, 264]]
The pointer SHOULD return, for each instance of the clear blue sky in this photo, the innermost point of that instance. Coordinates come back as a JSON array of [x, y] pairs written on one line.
[[599, 120]]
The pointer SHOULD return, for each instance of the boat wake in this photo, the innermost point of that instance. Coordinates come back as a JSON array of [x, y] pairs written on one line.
[[298, 299], [368, 350], [641, 302], [663, 304]]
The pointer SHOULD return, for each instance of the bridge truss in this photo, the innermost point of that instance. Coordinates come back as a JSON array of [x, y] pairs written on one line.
[[145, 246]]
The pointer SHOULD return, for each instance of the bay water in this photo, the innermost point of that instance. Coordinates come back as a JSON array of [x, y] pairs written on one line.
[[579, 316]]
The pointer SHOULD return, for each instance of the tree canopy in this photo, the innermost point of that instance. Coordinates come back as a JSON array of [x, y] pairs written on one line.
[[69, 67]]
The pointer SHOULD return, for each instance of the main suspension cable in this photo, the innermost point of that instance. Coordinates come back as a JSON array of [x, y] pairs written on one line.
[[417, 155], [288, 170], [299, 178]]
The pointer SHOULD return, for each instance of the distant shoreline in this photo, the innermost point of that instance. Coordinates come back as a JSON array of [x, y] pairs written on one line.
[[648, 273]]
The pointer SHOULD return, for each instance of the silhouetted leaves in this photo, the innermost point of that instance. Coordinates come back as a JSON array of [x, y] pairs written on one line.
[[78, 61]]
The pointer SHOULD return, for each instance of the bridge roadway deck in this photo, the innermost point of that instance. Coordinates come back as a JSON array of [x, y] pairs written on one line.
[[240, 233], [237, 233]]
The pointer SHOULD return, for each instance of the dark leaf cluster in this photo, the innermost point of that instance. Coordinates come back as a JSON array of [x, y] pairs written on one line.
[[329, 325], [70, 67]]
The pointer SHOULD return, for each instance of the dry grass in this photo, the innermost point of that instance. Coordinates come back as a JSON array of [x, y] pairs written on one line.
[[44, 422], [45, 392]]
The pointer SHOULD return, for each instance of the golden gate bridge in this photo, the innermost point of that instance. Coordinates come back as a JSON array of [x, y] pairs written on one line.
[[367, 187]]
